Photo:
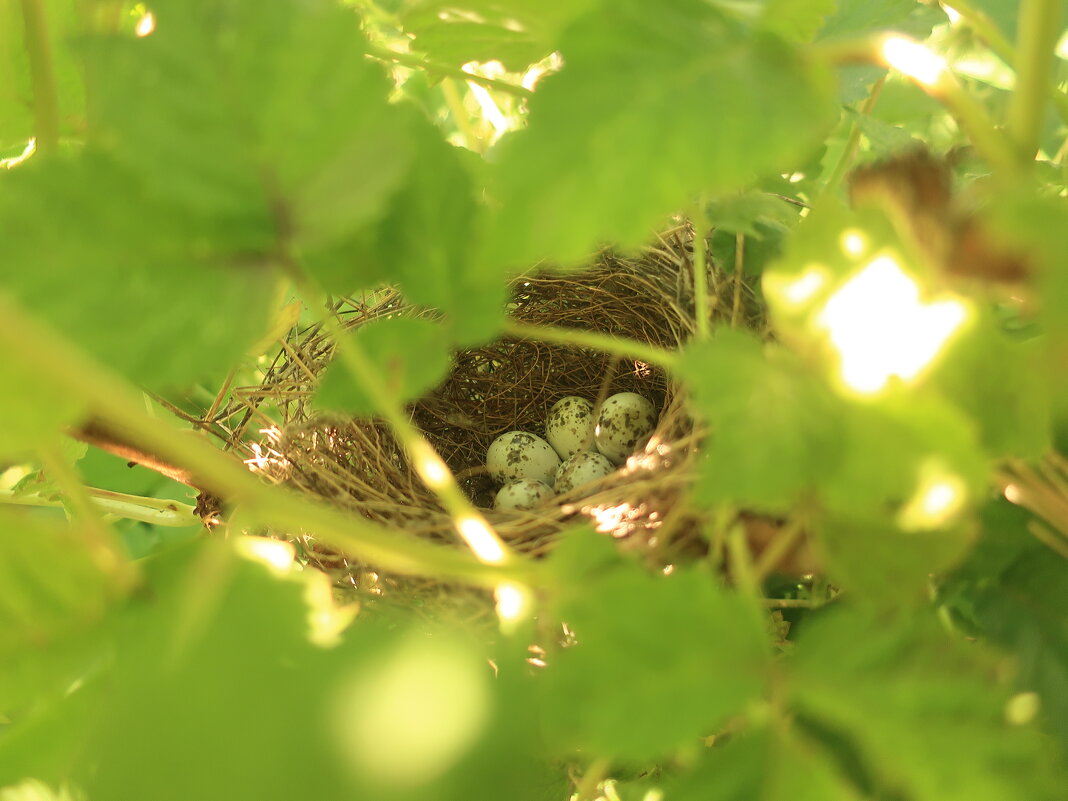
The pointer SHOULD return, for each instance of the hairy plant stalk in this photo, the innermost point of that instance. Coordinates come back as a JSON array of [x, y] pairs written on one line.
[[42, 76], [1039, 28]]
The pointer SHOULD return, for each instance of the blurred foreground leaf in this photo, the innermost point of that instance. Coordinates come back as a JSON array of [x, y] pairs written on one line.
[[660, 660], [657, 102]]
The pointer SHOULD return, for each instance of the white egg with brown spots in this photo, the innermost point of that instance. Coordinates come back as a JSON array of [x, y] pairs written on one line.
[[522, 495], [519, 454], [624, 424], [580, 469], [570, 426]]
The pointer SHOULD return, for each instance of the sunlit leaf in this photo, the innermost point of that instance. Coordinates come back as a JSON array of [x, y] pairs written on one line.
[[656, 103], [774, 429]]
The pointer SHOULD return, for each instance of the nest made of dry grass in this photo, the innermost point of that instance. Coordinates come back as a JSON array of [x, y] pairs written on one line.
[[504, 385]]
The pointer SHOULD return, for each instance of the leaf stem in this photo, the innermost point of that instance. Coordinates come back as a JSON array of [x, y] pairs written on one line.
[[61, 367], [171, 514], [418, 62], [702, 317], [42, 77], [1039, 27], [626, 348], [849, 152]]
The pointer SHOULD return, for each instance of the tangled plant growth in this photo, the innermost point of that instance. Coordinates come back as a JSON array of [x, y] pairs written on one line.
[[305, 260]]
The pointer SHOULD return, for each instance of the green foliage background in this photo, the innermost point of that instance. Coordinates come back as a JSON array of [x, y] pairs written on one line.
[[185, 181]]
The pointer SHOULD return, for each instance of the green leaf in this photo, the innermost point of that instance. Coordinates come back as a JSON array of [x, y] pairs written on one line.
[[883, 140], [425, 242], [855, 18], [909, 435], [33, 410], [1001, 384], [52, 591], [656, 103], [797, 20], [1014, 591], [764, 764], [774, 429], [269, 118], [660, 660], [458, 41], [924, 712], [408, 355], [898, 501], [879, 564], [140, 284], [514, 32], [752, 213]]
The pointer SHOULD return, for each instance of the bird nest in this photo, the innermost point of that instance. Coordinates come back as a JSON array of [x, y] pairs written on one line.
[[508, 384]]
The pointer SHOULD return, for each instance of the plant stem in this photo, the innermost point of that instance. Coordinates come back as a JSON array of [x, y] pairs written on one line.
[[64, 370], [42, 77], [435, 474], [853, 141], [463, 120], [594, 775], [739, 274], [702, 318], [627, 348], [1039, 27], [171, 514], [420, 63]]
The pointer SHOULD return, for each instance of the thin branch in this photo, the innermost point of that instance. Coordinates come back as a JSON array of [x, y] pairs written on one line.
[[627, 348]]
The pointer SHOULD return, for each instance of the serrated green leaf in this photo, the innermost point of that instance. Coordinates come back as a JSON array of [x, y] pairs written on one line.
[[141, 285], [514, 32], [660, 660], [426, 242], [774, 428], [855, 18], [752, 213], [883, 140], [797, 20], [408, 355], [656, 103], [925, 712], [763, 764], [268, 117]]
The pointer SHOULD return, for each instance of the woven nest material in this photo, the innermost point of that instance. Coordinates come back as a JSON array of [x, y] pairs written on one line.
[[508, 384]]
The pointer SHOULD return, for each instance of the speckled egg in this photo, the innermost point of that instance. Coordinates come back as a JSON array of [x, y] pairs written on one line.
[[626, 419], [518, 454], [582, 468], [522, 495], [569, 424]]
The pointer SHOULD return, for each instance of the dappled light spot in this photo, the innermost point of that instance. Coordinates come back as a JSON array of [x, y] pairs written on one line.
[[407, 719], [881, 329]]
